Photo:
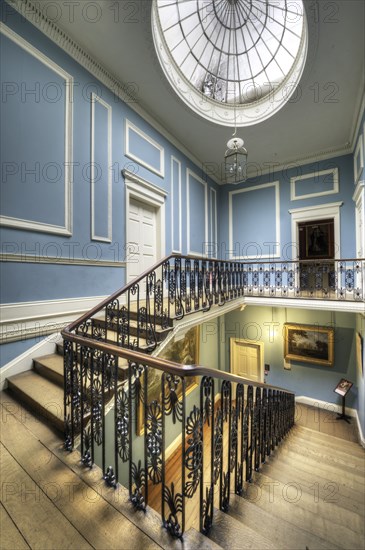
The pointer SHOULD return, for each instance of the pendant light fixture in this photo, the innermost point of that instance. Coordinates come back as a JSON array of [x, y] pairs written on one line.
[[235, 158]]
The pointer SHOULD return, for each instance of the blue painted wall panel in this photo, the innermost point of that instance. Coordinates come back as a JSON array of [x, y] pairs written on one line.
[[253, 221], [197, 215], [32, 137], [101, 170], [143, 149], [318, 183]]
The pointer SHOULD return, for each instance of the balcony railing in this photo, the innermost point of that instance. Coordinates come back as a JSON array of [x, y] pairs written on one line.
[[221, 426], [180, 285], [224, 429]]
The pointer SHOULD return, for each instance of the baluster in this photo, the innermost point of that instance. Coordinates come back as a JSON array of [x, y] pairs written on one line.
[[136, 397], [238, 483], [269, 423], [68, 365], [225, 474], [263, 426], [173, 500], [257, 428], [207, 408], [250, 449]]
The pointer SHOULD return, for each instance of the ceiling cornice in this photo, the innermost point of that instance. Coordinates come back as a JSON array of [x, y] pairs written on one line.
[[31, 12]]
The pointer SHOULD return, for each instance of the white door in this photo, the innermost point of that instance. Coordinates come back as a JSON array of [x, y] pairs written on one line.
[[247, 360], [142, 238]]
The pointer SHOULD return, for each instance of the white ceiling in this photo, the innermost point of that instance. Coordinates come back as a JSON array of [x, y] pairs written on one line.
[[320, 119]]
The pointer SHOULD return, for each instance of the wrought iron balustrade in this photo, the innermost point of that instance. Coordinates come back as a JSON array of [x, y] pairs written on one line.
[[144, 310], [224, 429]]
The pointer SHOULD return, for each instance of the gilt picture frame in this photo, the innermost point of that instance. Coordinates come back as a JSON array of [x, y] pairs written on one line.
[[309, 344]]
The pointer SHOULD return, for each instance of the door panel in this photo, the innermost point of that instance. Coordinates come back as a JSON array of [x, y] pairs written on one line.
[[246, 360], [142, 238]]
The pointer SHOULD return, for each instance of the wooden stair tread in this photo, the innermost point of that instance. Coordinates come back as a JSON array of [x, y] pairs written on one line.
[[326, 455], [232, 534], [324, 520], [40, 393], [353, 478], [10, 534], [37, 517], [325, 490], [51, 367], [282, 533], [330, 440]]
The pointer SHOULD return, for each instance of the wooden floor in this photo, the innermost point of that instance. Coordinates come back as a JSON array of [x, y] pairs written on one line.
[[325, 421], [49, 501]]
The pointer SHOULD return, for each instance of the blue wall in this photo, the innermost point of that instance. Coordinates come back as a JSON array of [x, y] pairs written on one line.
[[306, 379], [252, 234]]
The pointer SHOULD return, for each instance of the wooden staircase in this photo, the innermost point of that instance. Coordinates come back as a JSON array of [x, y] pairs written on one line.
[[310, 494]]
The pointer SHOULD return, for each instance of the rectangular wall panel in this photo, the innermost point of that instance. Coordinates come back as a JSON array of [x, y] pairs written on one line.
[[197, 214], [176, 206], [141, 148], [36, 138], [101, 170]]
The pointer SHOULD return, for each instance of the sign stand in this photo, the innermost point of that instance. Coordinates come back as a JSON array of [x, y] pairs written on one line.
[[342, 389]]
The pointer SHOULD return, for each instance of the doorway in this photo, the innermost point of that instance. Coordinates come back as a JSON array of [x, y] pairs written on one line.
[[247, 359], [142, 237], [316, 250]]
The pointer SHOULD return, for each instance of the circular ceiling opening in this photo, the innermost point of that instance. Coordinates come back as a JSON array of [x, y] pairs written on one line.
[[232, 59]]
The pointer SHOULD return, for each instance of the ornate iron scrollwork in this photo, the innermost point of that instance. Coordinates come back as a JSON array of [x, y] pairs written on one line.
[[207, 510], [172, 405], [154, 442], [194, 453], [175, 504], [123, 424], [218, 445], [138, 483]]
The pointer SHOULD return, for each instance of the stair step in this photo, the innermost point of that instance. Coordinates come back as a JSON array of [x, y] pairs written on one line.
[[324, 520], [325, 455], [42, 395], [321, 489], [122, 364], [282, 533], [230, 533], [329, 440], [51, 367], [353, 478]]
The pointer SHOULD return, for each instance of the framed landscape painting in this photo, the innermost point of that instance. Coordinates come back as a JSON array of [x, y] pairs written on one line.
[[309, 343]]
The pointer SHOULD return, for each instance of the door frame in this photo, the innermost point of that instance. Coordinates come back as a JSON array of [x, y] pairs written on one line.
[[259, 345], [147, 193]]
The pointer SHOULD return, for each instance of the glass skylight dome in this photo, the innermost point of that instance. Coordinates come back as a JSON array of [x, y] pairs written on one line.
[[229, 58]]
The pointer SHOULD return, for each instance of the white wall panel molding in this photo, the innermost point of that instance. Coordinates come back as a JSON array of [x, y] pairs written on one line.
[[41, 259], [108, 237], [176, 206], [23, 320], [276, 186], [32, 12], [190, 173], [313, 213], [334, 190], [34, 225], [130, 127], [358, 158], [213, 222]]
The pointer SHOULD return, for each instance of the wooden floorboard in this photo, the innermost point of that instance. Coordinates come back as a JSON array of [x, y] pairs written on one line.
[[325, 421], [139, 529], [10, 536], [79, 505]]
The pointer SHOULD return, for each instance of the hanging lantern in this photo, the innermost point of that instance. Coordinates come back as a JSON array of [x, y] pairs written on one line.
[[235, 161]]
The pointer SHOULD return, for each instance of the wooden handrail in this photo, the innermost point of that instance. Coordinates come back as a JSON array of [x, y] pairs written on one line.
[[164, 365]]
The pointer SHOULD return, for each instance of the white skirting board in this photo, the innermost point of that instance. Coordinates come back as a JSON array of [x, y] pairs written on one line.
[[332, 407], [23, 320], [24, 361]]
